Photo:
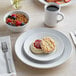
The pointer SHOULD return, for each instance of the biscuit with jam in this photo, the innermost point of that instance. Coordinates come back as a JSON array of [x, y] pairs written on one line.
[[36, 48]]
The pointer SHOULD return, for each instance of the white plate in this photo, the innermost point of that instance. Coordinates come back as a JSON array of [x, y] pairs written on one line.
[[44, 57], [62, 5], [19, 52]]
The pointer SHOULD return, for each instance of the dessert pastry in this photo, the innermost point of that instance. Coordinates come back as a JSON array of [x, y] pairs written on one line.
[[36, 48], [47, 45]]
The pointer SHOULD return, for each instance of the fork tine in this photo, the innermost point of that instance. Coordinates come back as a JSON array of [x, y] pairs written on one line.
[[4, 46]]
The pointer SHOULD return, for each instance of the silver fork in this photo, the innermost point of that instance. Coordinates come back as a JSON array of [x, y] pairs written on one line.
[[5, 51]]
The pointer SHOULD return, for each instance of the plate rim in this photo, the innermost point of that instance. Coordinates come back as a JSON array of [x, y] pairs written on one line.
[[38, 66]]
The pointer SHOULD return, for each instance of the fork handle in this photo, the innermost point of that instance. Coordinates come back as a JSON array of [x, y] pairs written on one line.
[[7, 62], [73, 38]]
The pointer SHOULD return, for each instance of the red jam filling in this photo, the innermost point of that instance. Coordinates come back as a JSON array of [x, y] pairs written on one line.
[[37, 44]]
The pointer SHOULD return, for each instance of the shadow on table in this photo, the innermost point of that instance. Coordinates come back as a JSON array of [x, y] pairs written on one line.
[[29, 71], [5, 9], [38, 4]]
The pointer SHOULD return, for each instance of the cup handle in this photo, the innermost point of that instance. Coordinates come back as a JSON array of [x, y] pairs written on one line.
[[62, 15]]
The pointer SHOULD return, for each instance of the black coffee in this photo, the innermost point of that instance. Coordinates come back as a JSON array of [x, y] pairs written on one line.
[[52, 8]]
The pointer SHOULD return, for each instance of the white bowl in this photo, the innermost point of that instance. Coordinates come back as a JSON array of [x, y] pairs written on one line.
[[15, 28]]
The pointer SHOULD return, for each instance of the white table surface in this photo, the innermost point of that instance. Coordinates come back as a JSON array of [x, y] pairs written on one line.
[[36, 13]]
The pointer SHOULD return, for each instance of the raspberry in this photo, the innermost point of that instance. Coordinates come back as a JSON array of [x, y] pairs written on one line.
[[37, 44], [8, 20], [18, 23], [13, 15]]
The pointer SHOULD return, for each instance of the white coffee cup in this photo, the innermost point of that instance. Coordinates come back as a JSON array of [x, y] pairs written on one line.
[[52, 11]]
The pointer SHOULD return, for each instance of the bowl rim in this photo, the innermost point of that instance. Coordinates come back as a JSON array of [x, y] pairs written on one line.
[[16, 11]]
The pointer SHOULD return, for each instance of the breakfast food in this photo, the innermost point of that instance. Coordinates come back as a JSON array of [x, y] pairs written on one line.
[[36, 48], [17, 19], [58, 1], [45, 45]]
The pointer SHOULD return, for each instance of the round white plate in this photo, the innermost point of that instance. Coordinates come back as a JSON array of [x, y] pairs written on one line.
[[44, 57], [19, 51], [62, 5]]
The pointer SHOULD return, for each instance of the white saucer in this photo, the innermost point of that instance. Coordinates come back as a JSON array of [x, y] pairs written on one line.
[[62, 5], [44, 57], [19, 52]]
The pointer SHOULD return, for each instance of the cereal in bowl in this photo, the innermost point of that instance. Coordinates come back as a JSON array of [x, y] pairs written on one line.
[[17, 19]]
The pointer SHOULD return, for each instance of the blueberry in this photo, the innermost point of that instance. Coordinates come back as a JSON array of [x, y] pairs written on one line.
[[9, 23], [14, 17], [22, 23], [9, 16]]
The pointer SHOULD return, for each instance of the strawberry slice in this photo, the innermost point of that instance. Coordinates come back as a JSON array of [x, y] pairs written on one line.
[[66, 1], [37, 44]]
